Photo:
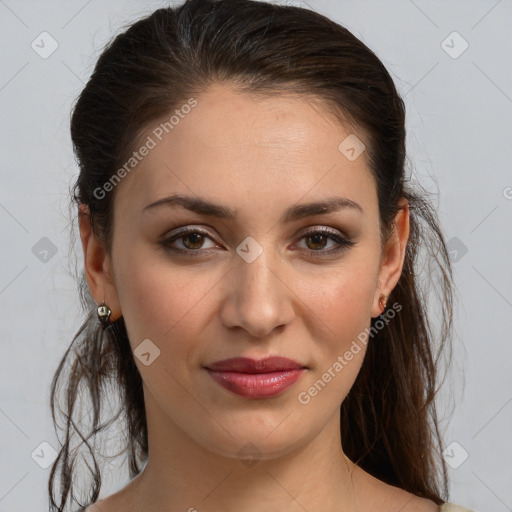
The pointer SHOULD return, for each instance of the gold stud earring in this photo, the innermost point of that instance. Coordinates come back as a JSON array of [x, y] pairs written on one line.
[[382, 302]]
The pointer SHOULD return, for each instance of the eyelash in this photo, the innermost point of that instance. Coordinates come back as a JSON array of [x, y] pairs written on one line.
[[343, 244]]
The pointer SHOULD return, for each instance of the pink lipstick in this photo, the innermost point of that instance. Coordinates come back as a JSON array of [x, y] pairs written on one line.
[[253, 378]]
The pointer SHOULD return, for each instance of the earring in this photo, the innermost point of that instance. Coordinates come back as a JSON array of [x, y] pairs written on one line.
[[382, 303], [104, 313]]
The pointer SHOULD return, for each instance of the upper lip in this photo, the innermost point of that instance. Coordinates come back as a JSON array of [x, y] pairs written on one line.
[[248, 365]]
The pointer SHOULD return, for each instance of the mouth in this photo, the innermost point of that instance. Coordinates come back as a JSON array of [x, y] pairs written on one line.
[[253, 378]]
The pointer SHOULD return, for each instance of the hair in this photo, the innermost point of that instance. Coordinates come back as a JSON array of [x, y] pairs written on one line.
[[389, 424]]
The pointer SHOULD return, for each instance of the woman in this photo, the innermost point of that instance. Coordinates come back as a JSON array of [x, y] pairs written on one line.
[[250, 243]]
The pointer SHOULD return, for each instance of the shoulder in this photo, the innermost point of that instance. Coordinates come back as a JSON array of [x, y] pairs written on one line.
[[451, 507], [105, 505]]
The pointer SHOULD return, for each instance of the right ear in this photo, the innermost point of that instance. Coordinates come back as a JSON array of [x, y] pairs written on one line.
[[97, 265]]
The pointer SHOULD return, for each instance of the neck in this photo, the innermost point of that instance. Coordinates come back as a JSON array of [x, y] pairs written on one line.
[[182, 474]]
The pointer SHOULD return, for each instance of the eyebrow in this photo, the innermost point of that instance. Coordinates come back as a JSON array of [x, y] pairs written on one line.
[[295, 212]]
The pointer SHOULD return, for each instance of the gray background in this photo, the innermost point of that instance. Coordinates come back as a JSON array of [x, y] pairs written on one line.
[[459, 108]]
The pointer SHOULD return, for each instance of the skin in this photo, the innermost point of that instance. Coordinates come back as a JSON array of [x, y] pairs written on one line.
[[258, 157]]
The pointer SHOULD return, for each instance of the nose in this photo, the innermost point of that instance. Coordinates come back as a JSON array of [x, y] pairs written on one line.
[[258, 297]]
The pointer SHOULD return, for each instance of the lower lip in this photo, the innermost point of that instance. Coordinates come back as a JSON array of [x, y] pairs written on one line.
[[256, 385]]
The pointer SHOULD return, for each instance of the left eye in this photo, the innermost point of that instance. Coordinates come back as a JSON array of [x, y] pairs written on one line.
[[319, 239]]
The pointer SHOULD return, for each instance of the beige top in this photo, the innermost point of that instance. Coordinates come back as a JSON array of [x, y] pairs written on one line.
[[451, 507]]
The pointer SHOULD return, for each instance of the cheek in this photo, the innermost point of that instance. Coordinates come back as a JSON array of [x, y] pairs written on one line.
[[340, 312], [162, 302], [340, 298]]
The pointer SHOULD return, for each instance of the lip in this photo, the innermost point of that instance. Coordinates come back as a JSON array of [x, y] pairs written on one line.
[[249, 365], [251, 378]]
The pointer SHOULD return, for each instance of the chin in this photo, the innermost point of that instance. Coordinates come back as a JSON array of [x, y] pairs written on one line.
[[256, 440]]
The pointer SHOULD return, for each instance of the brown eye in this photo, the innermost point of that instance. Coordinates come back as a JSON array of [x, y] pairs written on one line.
[[318, 241], [193, 240], [188, 242]]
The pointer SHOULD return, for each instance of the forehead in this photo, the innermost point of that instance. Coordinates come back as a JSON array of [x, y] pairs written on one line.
[[234, 145]]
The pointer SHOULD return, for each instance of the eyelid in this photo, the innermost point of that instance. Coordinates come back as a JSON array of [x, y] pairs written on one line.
[[183, 231], [324, 229], [189, 228], [343, 242], [314, 228]]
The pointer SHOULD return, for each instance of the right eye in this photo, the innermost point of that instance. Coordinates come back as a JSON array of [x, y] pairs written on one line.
[[191, 240]]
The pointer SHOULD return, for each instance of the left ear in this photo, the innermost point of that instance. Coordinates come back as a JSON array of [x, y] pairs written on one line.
[[392, 260]]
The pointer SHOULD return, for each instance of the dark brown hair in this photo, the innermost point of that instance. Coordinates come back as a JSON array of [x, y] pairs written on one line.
[[389, 424]]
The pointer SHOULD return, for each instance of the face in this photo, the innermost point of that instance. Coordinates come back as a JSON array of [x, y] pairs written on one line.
[[269, 277]]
